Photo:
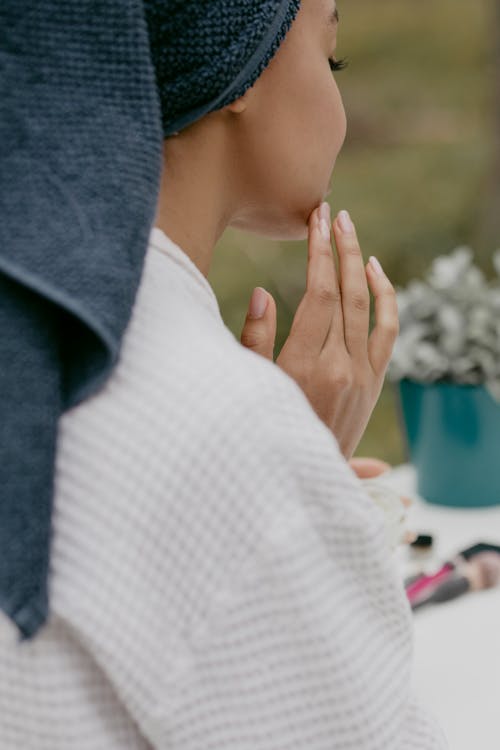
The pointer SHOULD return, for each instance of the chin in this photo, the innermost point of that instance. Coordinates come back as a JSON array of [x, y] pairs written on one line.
[[295, 227], [285, 234]]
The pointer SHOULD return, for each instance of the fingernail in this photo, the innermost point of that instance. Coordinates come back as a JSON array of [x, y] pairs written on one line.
[[324, 213], [345, 222], [258, 303], [376, 266], [324, 228]]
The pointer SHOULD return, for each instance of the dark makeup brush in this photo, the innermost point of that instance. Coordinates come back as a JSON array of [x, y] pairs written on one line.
[[482, 572]]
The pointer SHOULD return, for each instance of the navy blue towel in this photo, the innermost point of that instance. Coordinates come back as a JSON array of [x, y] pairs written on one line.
[[88, 91], [80, 166]]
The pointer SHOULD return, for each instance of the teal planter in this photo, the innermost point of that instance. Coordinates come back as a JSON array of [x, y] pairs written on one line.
[[453, 439]]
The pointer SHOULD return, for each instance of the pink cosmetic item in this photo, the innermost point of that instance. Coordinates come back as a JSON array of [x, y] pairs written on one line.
[[420, 587], [427, 583], [482, 572]]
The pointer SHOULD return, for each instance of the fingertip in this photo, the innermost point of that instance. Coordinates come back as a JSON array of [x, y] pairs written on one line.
[[376, 267], [374, 276], [258, 303], [324, 230], [345, 223], [370, 273], [320, 230]]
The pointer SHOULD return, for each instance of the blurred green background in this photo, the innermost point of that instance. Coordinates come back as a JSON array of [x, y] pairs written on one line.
[[419, 171]]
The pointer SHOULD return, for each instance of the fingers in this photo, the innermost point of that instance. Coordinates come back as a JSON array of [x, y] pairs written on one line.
[[386, 329], [334, 314], [368, 467], [355, 293], [259, 329], [409, 537], [320, 308]]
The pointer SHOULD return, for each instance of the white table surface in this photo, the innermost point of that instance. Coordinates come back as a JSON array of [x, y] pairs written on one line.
[[457, 644]]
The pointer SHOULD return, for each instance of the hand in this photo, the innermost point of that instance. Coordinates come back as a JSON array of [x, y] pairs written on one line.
[[329, 353], [366, 468]]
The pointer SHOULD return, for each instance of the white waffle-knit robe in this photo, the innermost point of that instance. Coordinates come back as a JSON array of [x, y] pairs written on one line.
[[219, 579]]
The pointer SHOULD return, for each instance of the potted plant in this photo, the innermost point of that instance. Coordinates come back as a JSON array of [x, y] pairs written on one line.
[[446, 363]]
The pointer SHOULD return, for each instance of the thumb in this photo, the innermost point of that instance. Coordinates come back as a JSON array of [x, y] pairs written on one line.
[[259, 330]]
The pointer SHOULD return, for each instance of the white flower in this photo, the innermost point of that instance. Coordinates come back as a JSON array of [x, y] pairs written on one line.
[[450, 324], [446, 271]]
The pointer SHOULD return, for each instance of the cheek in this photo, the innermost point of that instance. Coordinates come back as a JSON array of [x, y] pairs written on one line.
[[310, 131], [291, 142], [328, 124], [314, 120], [337, 120]]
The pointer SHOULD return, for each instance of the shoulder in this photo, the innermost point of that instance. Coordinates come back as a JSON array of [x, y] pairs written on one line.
[[185, 407]]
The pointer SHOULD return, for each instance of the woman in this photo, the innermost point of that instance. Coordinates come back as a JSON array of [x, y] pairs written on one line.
[[218, 574]]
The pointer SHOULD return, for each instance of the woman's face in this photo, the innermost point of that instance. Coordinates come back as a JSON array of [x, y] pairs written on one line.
[[287, 138]]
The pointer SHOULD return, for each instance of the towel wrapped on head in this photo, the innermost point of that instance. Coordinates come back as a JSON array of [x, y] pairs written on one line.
[[87, 93]]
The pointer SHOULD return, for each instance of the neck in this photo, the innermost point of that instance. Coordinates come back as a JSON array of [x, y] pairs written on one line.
[[195, 203]]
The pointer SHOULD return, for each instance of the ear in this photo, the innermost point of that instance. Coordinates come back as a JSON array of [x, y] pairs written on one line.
[[239, 105]]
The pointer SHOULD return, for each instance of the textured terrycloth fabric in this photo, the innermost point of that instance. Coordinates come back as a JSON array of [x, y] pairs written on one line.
[[219, 577], [80, 163], [208, 53]]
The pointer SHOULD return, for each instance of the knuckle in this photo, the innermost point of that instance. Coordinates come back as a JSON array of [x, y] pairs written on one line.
[[341, 379], [325, 249], [360, 302], [251, 340], [350, 246], [391, 326], [325, 295]]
